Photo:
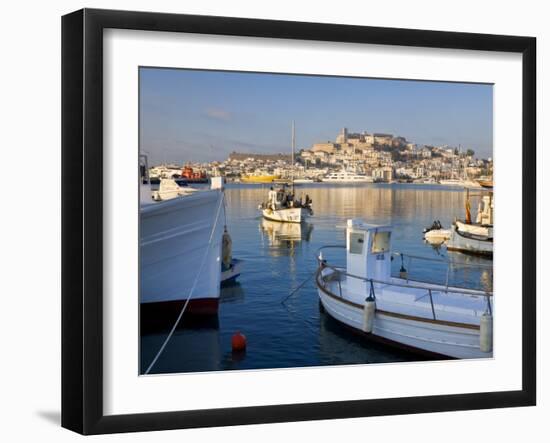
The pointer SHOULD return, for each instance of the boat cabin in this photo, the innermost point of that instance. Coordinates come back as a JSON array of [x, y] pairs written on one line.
[[485, 211], [368, 253]]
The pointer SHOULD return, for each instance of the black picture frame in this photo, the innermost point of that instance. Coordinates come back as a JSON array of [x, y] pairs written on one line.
[[82, 218]]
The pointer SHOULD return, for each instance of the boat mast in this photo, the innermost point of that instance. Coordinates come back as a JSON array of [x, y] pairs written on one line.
[[292, 157]]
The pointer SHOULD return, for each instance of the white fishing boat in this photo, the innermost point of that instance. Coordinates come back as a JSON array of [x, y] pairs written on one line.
[[346, 177], [438, 320], [474, 238], [180, 248], [282, 207], [282, 204]]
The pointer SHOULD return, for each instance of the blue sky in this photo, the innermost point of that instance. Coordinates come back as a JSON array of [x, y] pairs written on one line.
[[188, 115]]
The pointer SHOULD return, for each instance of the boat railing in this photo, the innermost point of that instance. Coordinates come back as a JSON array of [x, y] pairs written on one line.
[[408, 283], [410, 259], [339, 272]]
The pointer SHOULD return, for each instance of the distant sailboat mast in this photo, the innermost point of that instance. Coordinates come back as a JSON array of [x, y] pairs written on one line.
[[292, 157]]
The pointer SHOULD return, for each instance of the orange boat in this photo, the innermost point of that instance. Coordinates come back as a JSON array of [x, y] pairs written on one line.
[[190, 176]]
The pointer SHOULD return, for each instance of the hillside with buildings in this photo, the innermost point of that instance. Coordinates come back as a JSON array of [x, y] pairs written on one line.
[[384, 157]]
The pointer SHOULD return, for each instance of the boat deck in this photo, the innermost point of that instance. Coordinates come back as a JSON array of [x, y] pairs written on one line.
[[448, 306]]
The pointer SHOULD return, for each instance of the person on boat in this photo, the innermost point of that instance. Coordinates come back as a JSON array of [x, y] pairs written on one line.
[[271, 198], [289, 200], [280, 195]]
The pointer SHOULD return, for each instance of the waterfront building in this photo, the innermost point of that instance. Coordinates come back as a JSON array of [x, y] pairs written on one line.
[[384, 173]]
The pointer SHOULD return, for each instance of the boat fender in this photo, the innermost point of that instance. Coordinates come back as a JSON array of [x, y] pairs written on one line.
[[227, 249], [368, 314], [486, 333]]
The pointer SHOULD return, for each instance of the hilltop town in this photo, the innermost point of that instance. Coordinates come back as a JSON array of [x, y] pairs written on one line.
[[384, 157]]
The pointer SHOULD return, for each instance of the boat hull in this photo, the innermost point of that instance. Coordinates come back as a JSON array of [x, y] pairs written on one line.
[[437, 235], [473, 240], [286, 215], [418, 334], [180, 251], [259, 179]]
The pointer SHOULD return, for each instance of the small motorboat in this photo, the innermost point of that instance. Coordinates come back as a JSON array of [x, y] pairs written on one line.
[[436, 234], [433, 319]]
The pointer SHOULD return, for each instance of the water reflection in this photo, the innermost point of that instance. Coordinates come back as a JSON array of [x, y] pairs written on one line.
[[232, 293], [339, 346], [285, 235]]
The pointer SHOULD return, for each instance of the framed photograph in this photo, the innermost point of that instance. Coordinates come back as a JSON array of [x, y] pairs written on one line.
[[269, 221]]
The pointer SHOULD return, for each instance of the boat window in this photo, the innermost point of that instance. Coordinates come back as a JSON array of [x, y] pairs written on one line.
[[380, 242], [356, 241]]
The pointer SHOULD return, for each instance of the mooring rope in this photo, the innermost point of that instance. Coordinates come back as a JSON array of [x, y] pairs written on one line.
[[298, 288], [192, 289]]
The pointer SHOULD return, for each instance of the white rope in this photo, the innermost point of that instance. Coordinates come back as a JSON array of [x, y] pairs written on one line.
[[192, 289]]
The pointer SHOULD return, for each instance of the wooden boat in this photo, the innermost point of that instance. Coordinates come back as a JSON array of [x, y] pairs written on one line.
[[432, 319], [486, 183]]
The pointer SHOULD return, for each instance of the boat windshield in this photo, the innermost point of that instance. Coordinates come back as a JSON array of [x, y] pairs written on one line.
[[356, 241], [380, 242]]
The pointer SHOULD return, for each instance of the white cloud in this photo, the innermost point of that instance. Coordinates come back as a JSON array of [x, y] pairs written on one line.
[[218, 114]]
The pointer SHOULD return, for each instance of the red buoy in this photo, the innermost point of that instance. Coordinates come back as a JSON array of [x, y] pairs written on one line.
[[238, 342]]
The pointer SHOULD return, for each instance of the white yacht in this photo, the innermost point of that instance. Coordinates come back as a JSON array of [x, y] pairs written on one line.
[[462, 183], [438, 320], [180, 246], [345, 176]]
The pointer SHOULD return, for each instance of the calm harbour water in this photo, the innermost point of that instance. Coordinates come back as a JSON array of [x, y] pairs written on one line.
[[277, 258]]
